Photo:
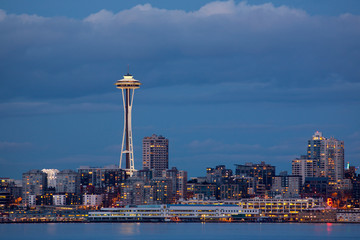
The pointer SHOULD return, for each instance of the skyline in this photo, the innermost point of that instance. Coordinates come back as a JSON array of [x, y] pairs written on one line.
[[226, 82]]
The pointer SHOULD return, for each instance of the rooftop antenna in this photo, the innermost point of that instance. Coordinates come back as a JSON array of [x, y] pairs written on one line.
[[128, 68]]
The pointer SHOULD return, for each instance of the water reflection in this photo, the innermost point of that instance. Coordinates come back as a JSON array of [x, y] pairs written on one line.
[[329, 227], [51, 228], [128, 228]]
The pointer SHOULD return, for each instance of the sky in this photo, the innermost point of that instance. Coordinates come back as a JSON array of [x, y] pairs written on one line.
[[227, 82]]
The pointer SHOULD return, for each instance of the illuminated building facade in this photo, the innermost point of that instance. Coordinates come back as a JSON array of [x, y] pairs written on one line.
[[329, 156], [263, 174], [101, 180], [178, 180], [156, 153], [304, 167], [128, 85], [286, 186], [67, 181], [34, 183]]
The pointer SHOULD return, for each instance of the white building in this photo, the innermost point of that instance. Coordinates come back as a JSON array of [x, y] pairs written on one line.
[[92, 200], [304, 167], [31, 200], [59, 200], [51, 176], [349, 215]]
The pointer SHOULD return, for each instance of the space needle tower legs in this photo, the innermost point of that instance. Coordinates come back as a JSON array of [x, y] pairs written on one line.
[[127, 85]]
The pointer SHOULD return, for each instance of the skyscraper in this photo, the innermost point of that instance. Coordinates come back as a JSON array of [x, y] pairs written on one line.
[[314, 150], [156, 153], [127, 85], [329, 156]]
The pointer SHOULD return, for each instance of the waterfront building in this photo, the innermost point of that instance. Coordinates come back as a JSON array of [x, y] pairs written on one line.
[[177, 213], [348, 215], [276, 208], [128, 85], [279, 208], [34, 183], [318, 215], [68, 181], [156, 154]]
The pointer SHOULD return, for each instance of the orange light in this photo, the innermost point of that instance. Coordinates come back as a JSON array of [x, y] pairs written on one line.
[[329, 202]]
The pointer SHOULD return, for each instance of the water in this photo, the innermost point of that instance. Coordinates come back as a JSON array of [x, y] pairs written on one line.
[[183, 231]]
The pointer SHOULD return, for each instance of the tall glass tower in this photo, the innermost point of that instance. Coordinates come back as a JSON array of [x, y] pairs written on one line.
[[127, 85]]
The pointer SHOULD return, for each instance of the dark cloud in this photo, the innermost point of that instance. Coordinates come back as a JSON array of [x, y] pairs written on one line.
[[221, 43], [227, 83]]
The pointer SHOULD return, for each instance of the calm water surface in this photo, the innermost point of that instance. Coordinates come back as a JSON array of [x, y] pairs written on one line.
[[292, 231]]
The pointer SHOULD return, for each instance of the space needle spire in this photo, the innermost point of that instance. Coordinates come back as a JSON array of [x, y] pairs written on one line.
[[127, 85]]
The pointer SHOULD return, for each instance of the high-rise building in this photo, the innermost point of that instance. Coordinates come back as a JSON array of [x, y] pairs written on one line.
[[101, 180], [314, 148], [156, 153], [304, 167], [178, 181], [128, 85], [263, 174], [287, 186], [34, 183], [67, 181], [329, 156], [333, 156], [218, 175]]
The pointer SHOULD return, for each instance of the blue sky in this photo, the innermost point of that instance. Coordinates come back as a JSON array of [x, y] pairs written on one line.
[[227, 82]]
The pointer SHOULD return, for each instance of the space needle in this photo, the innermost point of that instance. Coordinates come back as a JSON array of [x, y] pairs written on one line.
[[127, 85]]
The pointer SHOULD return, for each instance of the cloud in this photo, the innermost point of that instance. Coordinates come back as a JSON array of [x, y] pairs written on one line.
[[272, 49]]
